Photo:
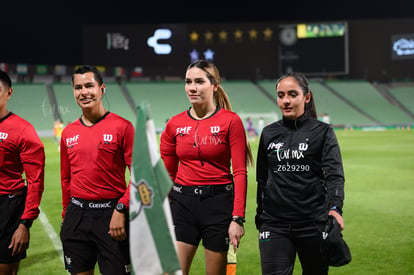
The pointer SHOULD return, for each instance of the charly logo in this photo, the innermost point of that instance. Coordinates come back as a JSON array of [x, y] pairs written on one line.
[[404, 47], [160, 48]]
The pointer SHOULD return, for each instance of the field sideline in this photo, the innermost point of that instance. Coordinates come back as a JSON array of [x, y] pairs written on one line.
[[378, 210]]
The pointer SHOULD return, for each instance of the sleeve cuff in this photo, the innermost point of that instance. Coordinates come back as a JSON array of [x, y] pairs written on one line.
[[27, 223], [337, 209]]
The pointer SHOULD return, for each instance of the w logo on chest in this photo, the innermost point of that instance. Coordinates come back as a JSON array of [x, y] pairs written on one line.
[[3, 136], [107, 137], [215, 129]]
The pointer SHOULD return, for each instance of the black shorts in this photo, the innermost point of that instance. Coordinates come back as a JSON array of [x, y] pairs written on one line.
[[85, 239], [11, 209], [202, 213]]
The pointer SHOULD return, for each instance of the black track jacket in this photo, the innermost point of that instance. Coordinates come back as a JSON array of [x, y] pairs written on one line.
[[299, 171]]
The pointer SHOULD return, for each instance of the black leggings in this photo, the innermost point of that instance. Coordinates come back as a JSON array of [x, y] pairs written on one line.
[[279, 244]]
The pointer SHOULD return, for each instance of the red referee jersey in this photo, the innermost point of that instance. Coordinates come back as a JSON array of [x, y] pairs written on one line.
[[21, 150], [208, 151], [94, 159]]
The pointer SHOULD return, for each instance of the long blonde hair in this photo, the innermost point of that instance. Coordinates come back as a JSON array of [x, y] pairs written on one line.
[[220, 96]]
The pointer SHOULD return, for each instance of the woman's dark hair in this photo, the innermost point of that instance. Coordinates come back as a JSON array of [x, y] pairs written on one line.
[[87, 69], [304, 84]]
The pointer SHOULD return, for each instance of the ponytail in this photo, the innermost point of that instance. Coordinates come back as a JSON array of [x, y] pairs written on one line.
[[220, 96]]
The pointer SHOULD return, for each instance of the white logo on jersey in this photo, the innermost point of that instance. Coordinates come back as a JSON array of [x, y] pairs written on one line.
[[303, 146], [107, 137], [183, 130], [215, 129], [264, 235], [72, 141], [3, 136], [275, 146], [288, 153], [68, 260]]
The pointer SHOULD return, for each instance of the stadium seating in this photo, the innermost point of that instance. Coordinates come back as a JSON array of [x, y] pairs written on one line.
[[166, 98], [348, 103], [363, 95], [31, 101], [404, 95]]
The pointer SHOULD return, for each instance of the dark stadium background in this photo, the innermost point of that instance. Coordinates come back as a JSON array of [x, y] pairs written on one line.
[[50, 32]]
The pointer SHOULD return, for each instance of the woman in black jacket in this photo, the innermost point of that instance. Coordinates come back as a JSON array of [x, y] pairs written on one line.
[[300, 182]]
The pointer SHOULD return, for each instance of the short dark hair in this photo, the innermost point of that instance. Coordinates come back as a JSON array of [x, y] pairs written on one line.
[[5, 78], [86, 69]]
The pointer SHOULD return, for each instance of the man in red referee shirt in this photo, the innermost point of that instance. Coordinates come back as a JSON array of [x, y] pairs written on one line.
[[21, 151], [95, 151]]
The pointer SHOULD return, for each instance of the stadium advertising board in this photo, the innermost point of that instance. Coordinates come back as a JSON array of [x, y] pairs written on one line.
[[245, 50], [241, 50], [314, 48]]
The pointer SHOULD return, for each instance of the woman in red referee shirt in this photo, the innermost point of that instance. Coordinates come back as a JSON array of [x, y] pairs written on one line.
[[206, 153]]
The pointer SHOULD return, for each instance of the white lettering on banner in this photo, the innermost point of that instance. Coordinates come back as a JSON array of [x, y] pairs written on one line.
[[117, 41]]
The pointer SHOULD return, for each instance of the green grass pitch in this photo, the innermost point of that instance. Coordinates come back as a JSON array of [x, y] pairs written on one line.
[[378, 210]]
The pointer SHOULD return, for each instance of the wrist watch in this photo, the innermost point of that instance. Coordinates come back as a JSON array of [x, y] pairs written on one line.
[[239, 220], [120, 207], [27, 223]]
